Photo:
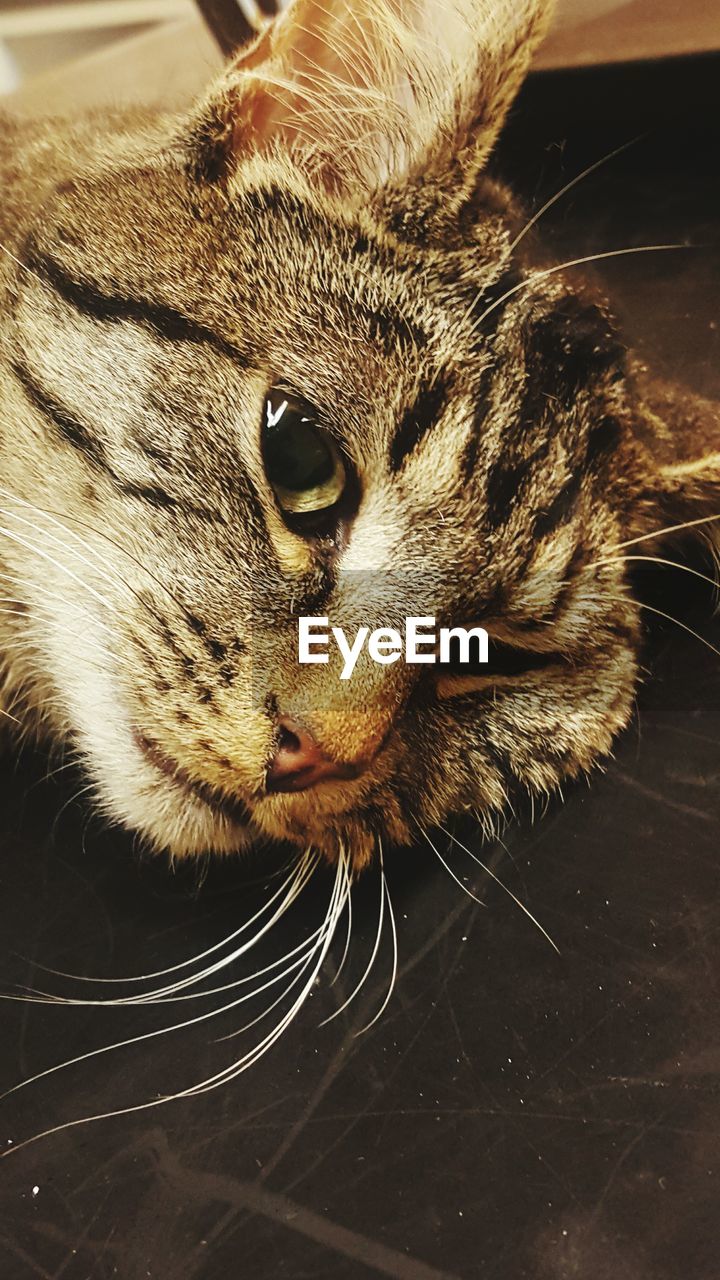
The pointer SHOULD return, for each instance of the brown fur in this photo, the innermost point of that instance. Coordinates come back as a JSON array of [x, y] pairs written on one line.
[[321, 221]]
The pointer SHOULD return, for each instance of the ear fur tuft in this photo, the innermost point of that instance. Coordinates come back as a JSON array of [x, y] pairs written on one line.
[[367, 94]]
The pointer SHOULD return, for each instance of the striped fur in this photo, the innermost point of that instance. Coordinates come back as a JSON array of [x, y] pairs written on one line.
[[320, 221]]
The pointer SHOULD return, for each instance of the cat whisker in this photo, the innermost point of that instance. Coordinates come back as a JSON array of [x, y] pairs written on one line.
[[348, 933], [333, 914], [302, 964], [368, 968], [21, 646], [393, 973], [671, 564], [502, 885], [319, 949], [294, 884], [113, 579], [661, 614], [34, 996], [47, 513], [82, 791], [120, 1044], [33, 629], [450, 871], [537, 276], [48, 777], [29, 546], [168, 993], [70, 605], [569, 186], [58, 542], [673, 528]]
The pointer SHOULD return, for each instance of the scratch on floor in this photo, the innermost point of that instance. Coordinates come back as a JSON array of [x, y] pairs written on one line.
[[288, 1213]]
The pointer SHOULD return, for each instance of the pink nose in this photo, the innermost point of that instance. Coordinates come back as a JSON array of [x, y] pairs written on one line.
[[299, 763]]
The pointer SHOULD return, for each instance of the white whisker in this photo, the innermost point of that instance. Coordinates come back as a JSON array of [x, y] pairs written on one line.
[[52, 516], [35, 996], [574, 262], [393, 973], [661, 533], [319, 948], [297, 882], [370, 962], [671, 564], [574, 182], [450, 871], [29, 546], [348, 931], [661, 614], [502, 885]]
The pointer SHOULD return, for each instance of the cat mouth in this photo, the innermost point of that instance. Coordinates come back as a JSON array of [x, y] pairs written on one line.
[[221, 803]]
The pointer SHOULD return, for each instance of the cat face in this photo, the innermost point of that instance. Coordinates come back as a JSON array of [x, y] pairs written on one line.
[[257, 377]]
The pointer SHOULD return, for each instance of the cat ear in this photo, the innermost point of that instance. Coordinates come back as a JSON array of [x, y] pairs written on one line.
[[367, 94], [680, 432]]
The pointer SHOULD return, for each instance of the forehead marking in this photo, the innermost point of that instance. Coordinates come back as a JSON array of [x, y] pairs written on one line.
[[87, 297], [417, 421]]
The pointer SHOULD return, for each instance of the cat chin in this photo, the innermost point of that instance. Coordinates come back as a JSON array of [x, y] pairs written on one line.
[[130, 791], [184, 826], [169, 819], [353, 820]]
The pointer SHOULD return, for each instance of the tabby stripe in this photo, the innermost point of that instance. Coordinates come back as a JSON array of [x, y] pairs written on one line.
[[569, 348], [572, 579], [416, 422], [560, 508], [88, 298], [72, 431], [216, 648], [483, 397], [387, 326], [603, 439], [495, 300], [79, 438], [311, 595], [503, 486]]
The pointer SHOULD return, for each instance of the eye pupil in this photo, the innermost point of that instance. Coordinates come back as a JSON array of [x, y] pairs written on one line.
[[296, 457], [301, 460]]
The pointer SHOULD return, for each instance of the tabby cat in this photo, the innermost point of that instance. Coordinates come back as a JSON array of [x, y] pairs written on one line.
[[289, 354]]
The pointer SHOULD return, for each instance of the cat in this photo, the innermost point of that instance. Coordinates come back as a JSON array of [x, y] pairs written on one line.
[[293, 353]]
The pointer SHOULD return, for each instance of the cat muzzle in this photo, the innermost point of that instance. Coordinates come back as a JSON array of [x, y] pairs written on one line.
[[299, 763]]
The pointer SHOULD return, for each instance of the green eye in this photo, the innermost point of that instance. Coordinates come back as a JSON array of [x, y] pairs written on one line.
[[302, 462]]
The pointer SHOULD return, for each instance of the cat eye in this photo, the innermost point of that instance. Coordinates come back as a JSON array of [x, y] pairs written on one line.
[[302, 461], [503, 661]]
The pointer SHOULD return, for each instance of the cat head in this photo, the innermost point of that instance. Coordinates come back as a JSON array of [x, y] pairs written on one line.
[[290, 357]]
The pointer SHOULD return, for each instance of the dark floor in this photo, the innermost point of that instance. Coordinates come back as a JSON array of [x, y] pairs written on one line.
[[515, 1113]]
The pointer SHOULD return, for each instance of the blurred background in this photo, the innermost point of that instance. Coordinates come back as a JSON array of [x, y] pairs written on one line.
[[39, 36]]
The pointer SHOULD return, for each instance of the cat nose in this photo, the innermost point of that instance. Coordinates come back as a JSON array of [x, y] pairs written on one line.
[[299, 763]]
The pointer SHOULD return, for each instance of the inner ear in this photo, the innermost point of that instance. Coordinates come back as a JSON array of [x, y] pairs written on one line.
[[366, 94]]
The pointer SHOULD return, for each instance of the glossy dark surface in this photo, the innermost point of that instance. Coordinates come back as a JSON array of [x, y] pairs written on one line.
[[515, 1113]]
